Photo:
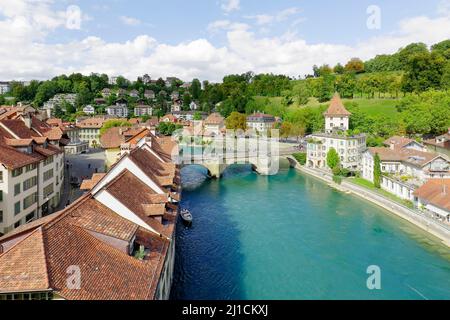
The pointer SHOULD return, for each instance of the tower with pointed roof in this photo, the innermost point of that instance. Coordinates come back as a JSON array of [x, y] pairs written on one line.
[[336, 117]]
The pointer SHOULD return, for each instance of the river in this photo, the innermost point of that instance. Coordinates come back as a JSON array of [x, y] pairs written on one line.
[[291, 236]]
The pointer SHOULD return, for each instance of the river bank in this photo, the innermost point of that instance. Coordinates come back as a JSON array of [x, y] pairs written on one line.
[[432, 227]]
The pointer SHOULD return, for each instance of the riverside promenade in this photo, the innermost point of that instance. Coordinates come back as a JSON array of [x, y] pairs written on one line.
[[433, 227]]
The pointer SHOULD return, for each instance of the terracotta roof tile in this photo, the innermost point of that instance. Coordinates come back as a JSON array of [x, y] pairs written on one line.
[[436, 192], [88, 184], [214, 119], [135, 195], [336, 107], [30, 274]]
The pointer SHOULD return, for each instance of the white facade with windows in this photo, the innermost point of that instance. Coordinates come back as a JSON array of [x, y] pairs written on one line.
[[143, 110], [349, 148], [120, 111], [30, 192]]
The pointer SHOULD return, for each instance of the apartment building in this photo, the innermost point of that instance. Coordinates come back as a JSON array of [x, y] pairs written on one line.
[[74, 145], [31, 173], [260, 122], [90, 130], [120, 109], [143, 110]]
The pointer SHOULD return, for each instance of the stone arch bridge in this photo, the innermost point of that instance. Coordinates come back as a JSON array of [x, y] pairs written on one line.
[[216, 164]]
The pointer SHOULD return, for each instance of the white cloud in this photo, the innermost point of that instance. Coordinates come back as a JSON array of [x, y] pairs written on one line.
[[130, 21], [230, 5], [264, 19], [220, 25], [27, 55]]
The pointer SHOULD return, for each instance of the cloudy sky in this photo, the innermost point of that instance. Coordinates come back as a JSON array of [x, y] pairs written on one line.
[[206, 38]]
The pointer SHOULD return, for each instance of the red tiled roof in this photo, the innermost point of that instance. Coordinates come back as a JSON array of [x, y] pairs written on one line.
[[42, 259], [18, 127], [136, 196], [13, 159], [32, 275], [398, 142], [112, 138], [88, 184], [411, 156], [336, 107], [436, 192], [214, 119], [162, 173]]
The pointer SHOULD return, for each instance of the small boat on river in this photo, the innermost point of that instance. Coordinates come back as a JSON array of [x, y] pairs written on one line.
[[186, 216]]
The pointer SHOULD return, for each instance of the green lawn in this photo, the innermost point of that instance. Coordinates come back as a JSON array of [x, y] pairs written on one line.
[[376, 106], [373, 107]]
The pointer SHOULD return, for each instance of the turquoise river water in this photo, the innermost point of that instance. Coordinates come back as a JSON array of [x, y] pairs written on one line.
[[291, 236]]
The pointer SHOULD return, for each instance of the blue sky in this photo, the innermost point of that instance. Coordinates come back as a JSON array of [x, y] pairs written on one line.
[[206, 38], [174, 21]]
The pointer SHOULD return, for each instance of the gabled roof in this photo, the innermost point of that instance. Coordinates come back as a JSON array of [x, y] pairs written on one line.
[[214, 119], [14, 159], [436, 192], [336, 107], [78, 237], [88, 184], [18, 127], [399, 142], [411, 156], [137, 197]]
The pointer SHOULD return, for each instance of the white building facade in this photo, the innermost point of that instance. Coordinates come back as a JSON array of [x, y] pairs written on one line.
[[350, 147]]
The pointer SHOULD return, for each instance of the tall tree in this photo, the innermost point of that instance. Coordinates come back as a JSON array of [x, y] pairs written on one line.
[[333, 160], [236, 121], [355, 65], [196, 89], [377, 171]]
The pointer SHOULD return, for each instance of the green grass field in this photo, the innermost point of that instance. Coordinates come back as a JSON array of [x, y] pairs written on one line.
[[373, 107]]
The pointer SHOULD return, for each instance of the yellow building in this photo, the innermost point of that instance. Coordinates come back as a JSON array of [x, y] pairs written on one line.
[[115, 138]]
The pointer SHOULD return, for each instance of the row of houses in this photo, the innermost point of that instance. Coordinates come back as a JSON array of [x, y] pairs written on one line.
[[117, 242], [146, 79], [120, 108], [31, 168], [408, 167]]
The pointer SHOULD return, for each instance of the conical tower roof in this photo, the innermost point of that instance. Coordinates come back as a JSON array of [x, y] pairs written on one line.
[[336, 107]]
